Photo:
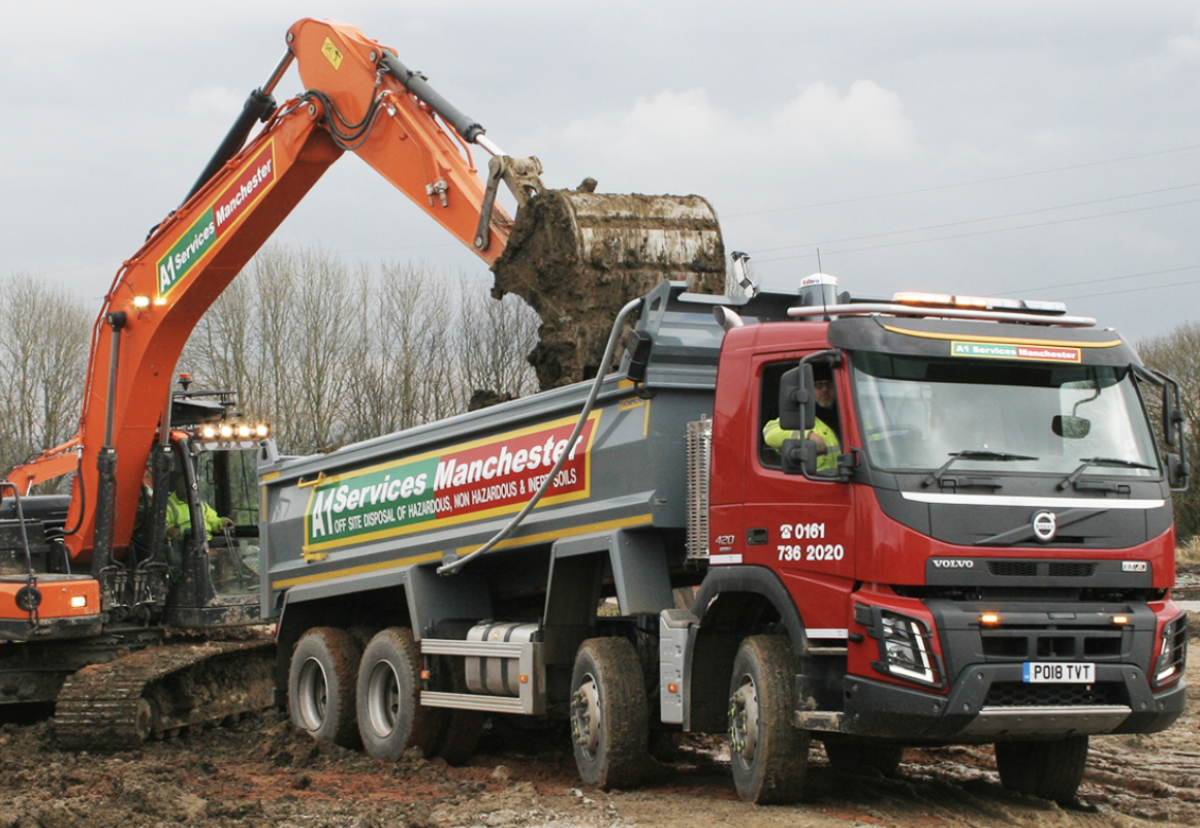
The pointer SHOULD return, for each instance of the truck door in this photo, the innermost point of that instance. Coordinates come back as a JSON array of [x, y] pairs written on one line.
[[802, 527]]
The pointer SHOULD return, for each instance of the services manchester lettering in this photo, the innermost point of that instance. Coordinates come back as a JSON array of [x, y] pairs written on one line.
[[251, 183], [468, 482], [1004, 350]]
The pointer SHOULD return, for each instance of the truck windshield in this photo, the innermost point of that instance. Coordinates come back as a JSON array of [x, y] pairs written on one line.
[[916, 412]]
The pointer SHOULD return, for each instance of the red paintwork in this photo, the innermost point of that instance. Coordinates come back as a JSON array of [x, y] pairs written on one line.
[[878, 551]]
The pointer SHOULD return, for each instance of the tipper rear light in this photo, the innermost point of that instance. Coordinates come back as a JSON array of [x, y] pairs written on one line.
[[1172, 652]]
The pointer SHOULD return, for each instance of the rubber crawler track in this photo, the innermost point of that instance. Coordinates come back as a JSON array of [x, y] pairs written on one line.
[[184, 685]]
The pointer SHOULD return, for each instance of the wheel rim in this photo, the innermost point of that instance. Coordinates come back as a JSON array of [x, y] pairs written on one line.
[[314, 694], [586, 716], [743, 720], [383, 699]]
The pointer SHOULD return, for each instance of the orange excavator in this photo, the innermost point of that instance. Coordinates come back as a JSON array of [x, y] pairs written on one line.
[[110, 605]]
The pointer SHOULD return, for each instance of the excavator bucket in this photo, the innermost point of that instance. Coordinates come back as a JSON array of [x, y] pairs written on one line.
[[577, 257]]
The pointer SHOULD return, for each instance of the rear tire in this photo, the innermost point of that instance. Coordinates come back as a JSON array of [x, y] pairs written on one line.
[[321, 685], [852, 757], [1051, 770], [609, 714], [768, 753], [390, 716]]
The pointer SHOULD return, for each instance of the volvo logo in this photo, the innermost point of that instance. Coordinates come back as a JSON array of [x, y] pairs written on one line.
[[1045, 526], [953, 563]]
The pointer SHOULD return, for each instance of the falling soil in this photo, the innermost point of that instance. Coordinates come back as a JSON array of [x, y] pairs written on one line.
[[577, 257], [262, 772]]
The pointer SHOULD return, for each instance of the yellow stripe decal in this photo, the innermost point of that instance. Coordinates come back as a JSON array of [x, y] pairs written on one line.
[[357, 570], [1005, 340], [620, 523]]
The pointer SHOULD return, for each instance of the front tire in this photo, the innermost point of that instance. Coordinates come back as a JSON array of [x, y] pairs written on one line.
[[321, 685], [609, 714], [390, 716], [768, 753], [1051, 770]]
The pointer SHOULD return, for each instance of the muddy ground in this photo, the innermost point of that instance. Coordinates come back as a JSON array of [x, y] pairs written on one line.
[[261, 772]]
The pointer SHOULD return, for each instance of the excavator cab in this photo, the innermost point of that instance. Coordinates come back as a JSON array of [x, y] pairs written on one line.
[[202, 525]]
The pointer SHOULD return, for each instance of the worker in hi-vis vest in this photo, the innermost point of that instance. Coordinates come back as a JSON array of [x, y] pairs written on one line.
[[824, 431], [179, 515]]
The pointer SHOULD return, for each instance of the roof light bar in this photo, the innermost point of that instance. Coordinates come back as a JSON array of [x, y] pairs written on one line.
[[945, 300]]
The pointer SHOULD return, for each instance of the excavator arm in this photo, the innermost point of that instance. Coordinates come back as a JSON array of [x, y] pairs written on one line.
[[360, 99], [356, 102]]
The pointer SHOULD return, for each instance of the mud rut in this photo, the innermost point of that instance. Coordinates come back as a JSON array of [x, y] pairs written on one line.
[[261, 772]]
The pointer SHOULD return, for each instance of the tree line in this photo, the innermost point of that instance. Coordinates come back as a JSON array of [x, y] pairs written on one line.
[[327, 353]]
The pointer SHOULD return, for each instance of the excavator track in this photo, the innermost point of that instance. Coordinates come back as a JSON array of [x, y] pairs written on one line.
[[159, 690]]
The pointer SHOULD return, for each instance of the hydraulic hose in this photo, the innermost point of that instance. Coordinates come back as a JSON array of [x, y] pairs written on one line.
[[609, 349]]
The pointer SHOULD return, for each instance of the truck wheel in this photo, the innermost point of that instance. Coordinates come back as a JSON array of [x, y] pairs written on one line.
[[609, 713], [851, 757], [1051, 770], [390, 716], [768, 753], [321, 685]]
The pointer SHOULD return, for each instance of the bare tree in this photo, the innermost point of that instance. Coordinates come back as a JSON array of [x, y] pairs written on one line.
[[1177, 354], [332, 355], [493, 340], [43, 355]]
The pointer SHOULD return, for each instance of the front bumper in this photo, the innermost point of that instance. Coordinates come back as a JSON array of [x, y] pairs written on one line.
[[989, 702]]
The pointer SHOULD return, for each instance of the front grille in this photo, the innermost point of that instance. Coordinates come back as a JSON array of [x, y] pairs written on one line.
[[1018, 645], [1013, 569], [1042, 569], [1071, 569], [1020, 694]]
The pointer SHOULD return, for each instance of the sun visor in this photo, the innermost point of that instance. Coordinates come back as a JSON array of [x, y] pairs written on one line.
[[980, 340]]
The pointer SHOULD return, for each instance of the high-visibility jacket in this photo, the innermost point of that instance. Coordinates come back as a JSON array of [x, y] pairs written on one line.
[[774, 437], [180, 516]]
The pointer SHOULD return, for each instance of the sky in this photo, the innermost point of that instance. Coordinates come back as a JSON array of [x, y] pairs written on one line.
[[1046, 150]]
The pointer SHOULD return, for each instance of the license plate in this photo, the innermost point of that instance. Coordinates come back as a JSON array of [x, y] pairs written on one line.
[[1043, 672]]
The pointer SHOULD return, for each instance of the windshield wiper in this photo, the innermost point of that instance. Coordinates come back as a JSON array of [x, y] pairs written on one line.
[[974, 454], [1070, 479]]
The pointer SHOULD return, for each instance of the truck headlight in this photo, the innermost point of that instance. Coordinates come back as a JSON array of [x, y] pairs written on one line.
[[904, 646], [1172, 652]]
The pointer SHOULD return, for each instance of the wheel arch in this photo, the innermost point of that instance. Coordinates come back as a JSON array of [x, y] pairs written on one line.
[[732, 603]]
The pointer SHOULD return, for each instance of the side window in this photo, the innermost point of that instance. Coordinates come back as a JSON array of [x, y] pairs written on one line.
[[828, 427], [768, 410]]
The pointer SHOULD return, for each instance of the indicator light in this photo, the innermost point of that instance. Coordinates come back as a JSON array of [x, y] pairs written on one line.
[[989, 618]]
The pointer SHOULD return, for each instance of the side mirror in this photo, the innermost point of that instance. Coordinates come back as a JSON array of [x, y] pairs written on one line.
[[799, 457], [1070, 427], [797, 399], [1177, 472]]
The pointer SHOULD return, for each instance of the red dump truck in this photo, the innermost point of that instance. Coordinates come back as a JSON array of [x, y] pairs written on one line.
[[982, 552]]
